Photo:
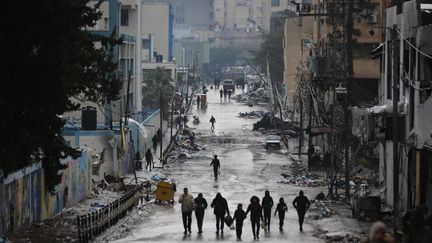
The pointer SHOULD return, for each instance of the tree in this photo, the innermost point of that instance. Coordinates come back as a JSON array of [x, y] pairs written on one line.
[[272, 47], [46, 62], [158, 89]]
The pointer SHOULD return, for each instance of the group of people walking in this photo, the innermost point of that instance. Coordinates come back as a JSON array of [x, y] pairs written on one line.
[[224, 93], [260, 214]]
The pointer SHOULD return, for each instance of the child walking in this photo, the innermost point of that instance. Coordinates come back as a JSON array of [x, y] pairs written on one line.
[[281, 208], [239, 216]]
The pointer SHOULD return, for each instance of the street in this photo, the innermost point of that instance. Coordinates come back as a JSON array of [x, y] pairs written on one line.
[[247, 169]]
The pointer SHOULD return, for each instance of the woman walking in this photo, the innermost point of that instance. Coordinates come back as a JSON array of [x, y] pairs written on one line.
[[256, 214]]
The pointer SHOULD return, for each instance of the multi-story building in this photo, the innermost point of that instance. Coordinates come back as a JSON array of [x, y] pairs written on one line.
[[191, 18], [157, 31], [407, 59], [146, 31]]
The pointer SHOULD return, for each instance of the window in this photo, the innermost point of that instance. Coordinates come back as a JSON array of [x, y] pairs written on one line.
[[275, 3], [124, 17], [105, 23], [146, 44], [425, 78]]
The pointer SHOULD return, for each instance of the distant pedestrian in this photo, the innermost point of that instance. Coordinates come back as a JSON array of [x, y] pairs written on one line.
[[185, 120], [155, 142], [200, 207], [138, 161], [220, 206], [225, 93], [256, 215], [239, 216], [281, 209], [229, 94], [149, 159], [179, 122], [221, 93], [187, 202], [216, 166], [198, 101], [212, 121], [301, 204], [267, 204], [159, 134]]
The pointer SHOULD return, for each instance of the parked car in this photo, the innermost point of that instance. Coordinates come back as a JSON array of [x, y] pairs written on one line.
[[273, 141]]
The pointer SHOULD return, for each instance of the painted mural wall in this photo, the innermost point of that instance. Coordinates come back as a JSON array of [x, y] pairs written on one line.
[[24, 199]]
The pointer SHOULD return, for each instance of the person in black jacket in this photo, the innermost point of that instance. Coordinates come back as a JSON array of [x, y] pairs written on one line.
[[281, 208], [256, 214], [155, 142], [301, 204], [220, 206], [239, 216], [149, 158], [216, 165], [200, 206], [267, 204]]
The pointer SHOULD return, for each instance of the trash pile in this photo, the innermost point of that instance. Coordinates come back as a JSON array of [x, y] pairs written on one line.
[[323, 210], [185, 146], [254, 114], [253, 97], [268, 123], [308, 180]]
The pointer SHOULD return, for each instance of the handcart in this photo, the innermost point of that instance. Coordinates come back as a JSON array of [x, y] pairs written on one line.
[[165, 192]]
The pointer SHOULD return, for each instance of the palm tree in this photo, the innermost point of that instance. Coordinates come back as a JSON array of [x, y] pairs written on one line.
[[158, 89]]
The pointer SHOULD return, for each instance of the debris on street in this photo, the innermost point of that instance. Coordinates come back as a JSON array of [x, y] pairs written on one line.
[[308, 180], [254, 114], [184, 148], [268, 123]]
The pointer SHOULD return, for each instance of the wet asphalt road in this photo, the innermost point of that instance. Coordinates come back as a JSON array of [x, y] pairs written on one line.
[[247, 169]]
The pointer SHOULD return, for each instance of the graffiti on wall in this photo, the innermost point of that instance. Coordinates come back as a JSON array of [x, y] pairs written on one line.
[[24, 199]]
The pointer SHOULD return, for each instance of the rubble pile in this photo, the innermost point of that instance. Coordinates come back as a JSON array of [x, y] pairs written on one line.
[[253, 97], [321, 208], [268, 123], [308, 180], [185, 147], [254, 114]]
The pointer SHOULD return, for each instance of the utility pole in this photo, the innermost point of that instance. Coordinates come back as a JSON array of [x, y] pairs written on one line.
[[350, 72], [393, 35], [301, 118], [310, 146], [187, 85], [332, 146], [161, 120]]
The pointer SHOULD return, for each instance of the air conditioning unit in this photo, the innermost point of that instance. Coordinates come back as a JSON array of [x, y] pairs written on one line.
[[372, 19]]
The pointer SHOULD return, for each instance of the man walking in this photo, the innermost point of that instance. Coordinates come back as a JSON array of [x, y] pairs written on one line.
[[149, 158], [239, 216], [301, 204], [220, 206], [186, 201], [198, 101], [212, 121], [159, 134], [155, 142], [256, 215], [200, 206], [216, 166], [221, 93], [267, 204], [281, 209]]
